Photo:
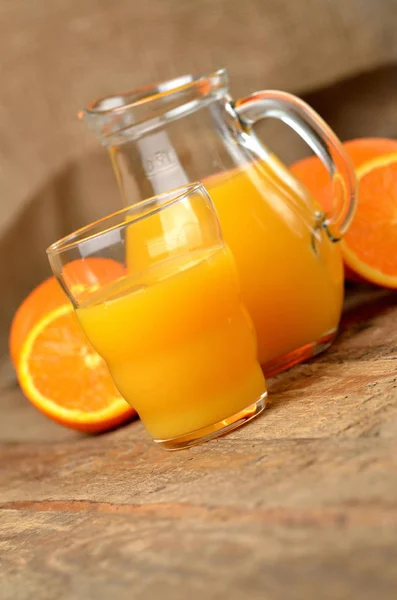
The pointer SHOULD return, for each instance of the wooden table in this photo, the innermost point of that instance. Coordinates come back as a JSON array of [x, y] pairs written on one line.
[[300, 504]]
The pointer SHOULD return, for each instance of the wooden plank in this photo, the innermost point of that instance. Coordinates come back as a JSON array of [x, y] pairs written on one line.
[[131, 470], [124, 556]]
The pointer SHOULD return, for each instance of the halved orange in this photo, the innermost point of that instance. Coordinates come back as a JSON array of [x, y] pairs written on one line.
[[370, 245], [44, 298], [312, 173], [49, 295], [57, 368], [66, 379]]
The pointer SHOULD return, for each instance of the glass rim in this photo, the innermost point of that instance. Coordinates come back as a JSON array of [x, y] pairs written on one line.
[[149, 93], [137, 212]]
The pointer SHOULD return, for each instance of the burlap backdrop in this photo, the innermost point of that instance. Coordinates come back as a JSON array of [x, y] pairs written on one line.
[[57, 55]]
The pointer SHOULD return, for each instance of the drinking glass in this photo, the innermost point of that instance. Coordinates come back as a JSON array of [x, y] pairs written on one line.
[[171, 325]]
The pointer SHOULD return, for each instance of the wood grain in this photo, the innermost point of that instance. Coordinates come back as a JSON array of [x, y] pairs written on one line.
[[68, 555], [302, 503]]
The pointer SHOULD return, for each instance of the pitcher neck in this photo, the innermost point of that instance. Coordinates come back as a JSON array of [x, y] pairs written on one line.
[[124, 117]]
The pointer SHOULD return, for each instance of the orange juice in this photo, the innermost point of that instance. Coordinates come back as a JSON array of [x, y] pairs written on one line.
[[291, 278], [178, 342]]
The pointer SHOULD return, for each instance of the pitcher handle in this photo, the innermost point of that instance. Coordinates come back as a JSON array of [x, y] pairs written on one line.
[[298, 115]]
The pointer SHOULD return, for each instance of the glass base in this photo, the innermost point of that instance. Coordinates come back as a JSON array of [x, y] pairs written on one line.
[[212, 431], [295, 357]]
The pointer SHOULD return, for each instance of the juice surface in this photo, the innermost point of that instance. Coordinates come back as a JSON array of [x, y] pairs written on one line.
[[178, 342], [294, 293]]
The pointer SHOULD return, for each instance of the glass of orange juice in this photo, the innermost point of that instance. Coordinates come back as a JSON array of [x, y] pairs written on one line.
[[172, 327]]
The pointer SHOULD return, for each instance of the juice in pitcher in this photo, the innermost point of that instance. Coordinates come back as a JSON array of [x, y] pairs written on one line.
[[291, 276]]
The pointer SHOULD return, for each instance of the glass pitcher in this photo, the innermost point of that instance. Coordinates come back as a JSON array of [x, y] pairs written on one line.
[[290, 267]]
